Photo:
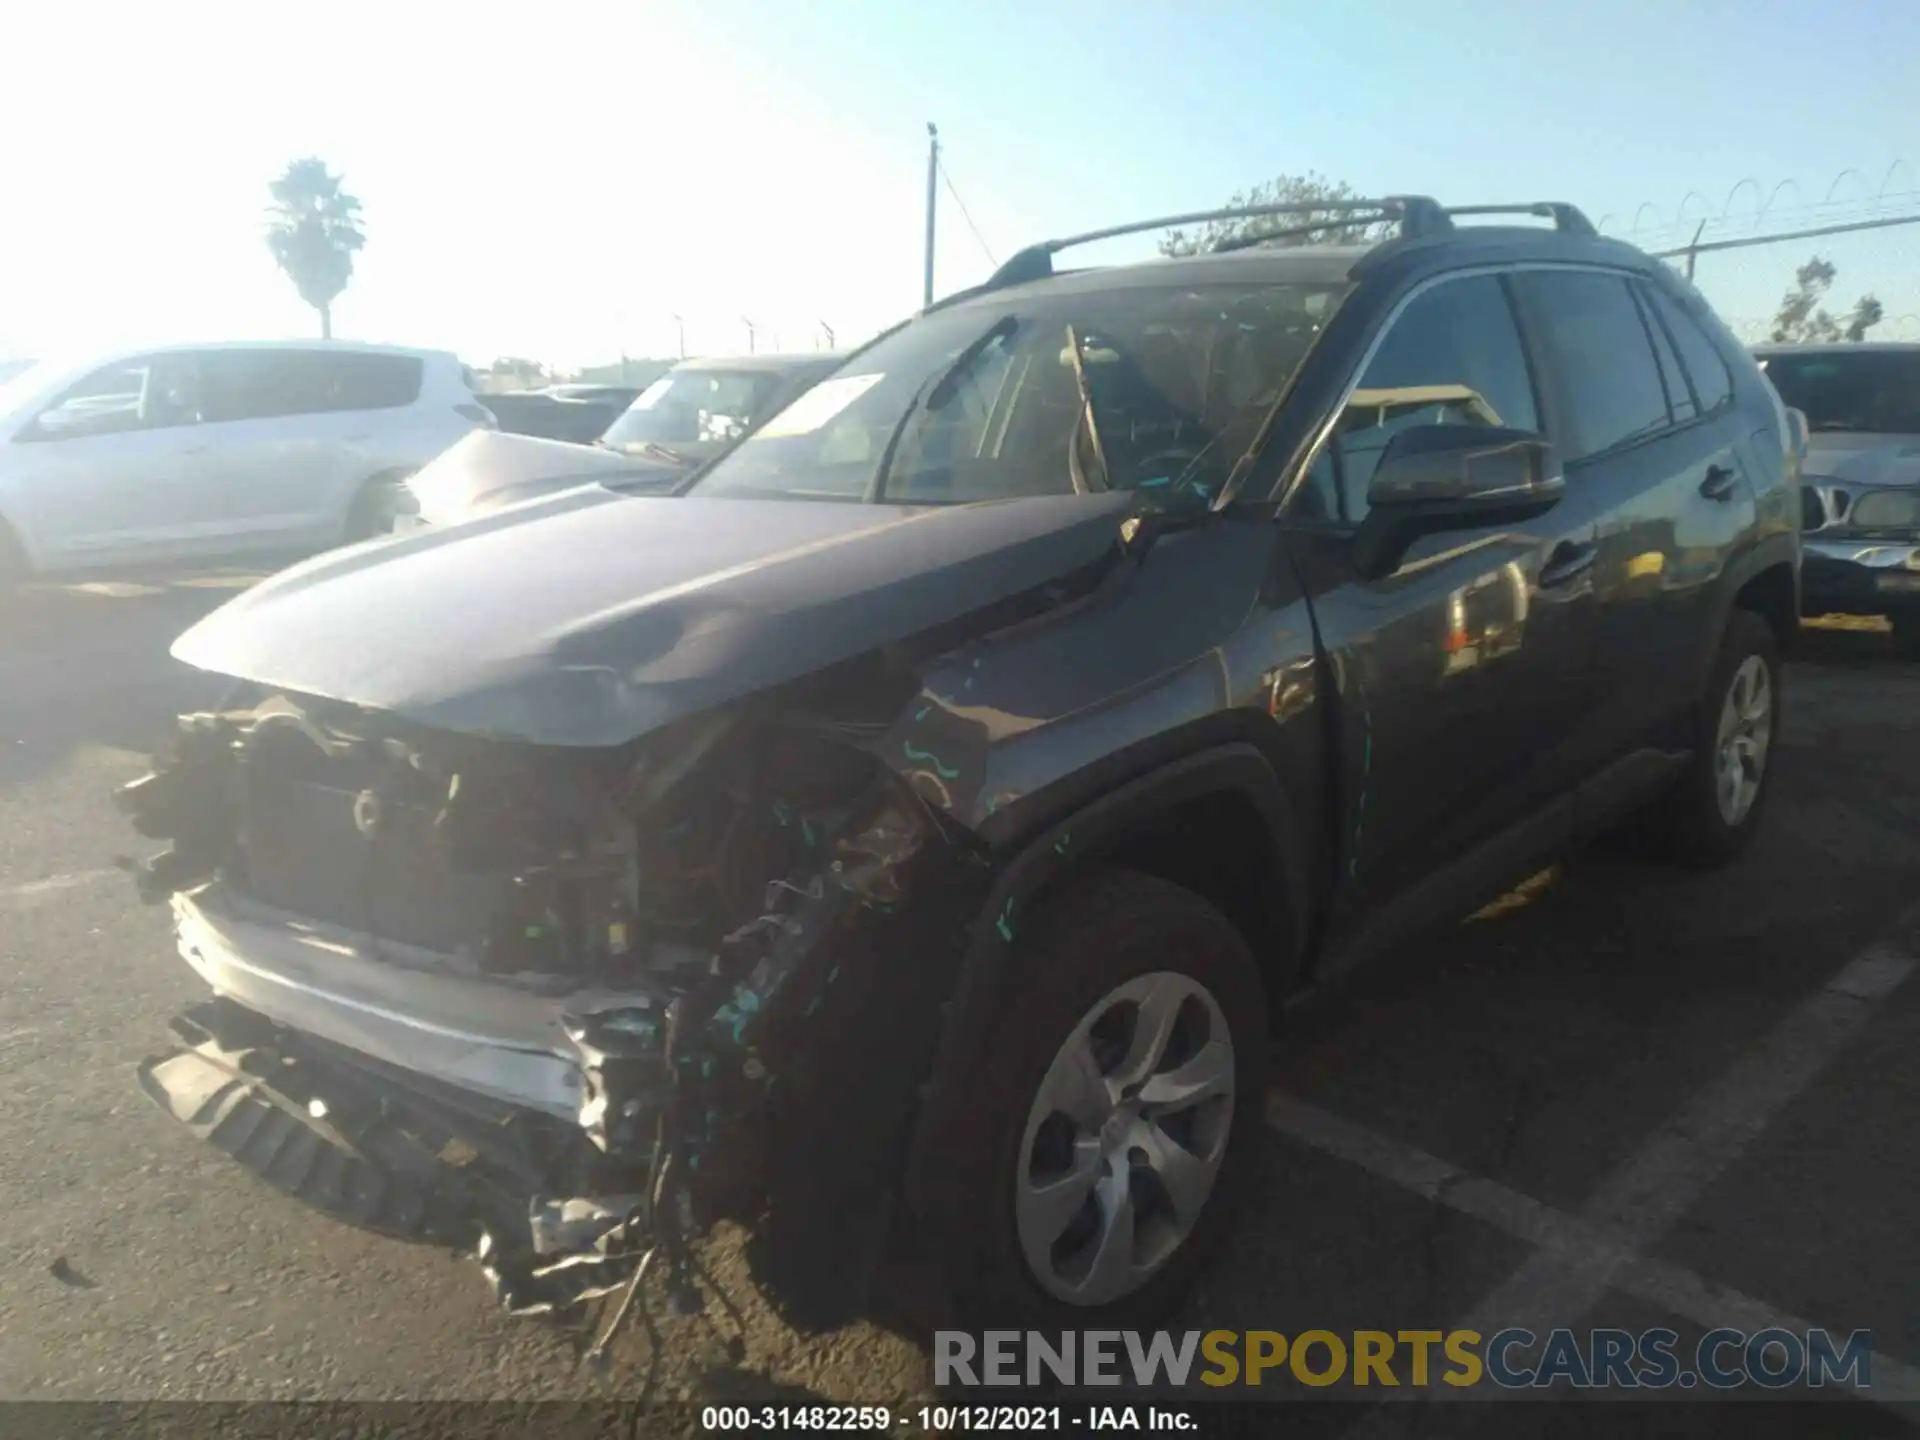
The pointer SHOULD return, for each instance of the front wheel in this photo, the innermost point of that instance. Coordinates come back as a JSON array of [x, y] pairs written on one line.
[[1110, 1132], [1716, 808]]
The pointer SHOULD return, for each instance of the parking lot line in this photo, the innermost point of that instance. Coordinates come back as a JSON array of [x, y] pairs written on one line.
[[1671, 1288], [1579, 1259], [32, 892]]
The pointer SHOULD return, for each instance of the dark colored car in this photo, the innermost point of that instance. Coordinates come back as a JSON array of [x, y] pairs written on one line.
[[684, 419], [906, 838], [553, 414], [700, 407], [1862, 480]]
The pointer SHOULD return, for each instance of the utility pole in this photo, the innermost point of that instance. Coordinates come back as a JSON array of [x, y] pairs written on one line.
[[828, 330], [749, 324], [1693, 253], [680, 328], [933, 176]]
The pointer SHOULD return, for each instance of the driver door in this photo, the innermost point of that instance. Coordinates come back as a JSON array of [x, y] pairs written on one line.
[[107, 464], [1464, 675]]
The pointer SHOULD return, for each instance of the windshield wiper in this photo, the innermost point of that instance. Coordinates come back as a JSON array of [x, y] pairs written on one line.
[[934, 392], [665, 452], [1086, 415]]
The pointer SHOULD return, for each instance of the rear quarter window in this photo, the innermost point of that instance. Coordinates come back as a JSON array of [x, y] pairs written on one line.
[[1705, 365]]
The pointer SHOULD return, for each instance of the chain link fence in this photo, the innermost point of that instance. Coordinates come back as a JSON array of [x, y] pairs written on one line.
[[1745, 259]]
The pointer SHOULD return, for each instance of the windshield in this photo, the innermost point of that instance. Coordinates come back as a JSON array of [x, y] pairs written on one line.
[[1873, 391], [1144, 388], [691, 407]]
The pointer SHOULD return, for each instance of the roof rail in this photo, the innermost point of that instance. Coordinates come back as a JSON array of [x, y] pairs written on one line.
[[1567, 219], [1417, 215]]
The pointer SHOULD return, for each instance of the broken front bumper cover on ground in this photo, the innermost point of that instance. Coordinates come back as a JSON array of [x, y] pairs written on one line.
[[391, 1152], [396, 1096]]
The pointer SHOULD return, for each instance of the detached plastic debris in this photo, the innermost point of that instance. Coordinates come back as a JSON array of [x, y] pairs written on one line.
[[526, 1282], [562, 1226]]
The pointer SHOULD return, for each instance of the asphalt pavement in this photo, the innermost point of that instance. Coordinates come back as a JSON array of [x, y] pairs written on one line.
[[1626, 1096]]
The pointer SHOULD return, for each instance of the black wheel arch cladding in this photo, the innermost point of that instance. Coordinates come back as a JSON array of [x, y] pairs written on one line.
[[984, 978]]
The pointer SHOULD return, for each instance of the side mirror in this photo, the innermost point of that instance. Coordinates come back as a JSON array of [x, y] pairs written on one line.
[[1434, 478]]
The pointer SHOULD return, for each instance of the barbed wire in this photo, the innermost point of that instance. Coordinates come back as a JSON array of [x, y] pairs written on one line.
[[1695, 213]]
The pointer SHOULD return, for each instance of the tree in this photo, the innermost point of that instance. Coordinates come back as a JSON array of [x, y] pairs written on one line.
[[516, 370], [1802, 319], [313, 230], [1281, 190]]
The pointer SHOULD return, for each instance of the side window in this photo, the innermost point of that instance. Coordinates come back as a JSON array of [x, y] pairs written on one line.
[[1453, 357], [257, 384], [369, 381], [1605, 358], [1673, 375], [266, 383], [107, 402], [1712, 380]]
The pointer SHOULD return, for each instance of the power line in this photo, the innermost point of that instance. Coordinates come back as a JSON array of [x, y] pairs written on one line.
[[979, 239]]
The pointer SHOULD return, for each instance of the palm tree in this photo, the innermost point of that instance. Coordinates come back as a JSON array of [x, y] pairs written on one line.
[[313, 230]]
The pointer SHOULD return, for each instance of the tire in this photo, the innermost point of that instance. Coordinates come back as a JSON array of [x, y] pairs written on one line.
[[1706, 828], [1906, 635], [1096, 952], [371, 514]]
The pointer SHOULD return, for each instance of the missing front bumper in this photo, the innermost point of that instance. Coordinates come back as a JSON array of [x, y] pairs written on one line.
[[552, 1221]]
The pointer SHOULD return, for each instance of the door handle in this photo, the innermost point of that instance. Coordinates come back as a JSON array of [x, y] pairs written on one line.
[[1567, 562], [1719, 483]]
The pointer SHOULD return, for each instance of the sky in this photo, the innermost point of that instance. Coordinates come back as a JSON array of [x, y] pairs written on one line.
[[560, 182]]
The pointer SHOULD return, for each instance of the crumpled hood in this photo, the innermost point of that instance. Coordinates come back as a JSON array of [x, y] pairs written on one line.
[[591, 618], [487, 470], [1856, 459]]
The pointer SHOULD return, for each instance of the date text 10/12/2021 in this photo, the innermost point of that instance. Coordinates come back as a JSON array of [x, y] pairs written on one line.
[[949, 1419]]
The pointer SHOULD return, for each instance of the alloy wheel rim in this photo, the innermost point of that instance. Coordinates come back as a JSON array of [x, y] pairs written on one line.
[[1742, 741], [1124, 1139]]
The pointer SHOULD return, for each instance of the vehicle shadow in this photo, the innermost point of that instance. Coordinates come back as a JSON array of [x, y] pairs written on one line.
[[86, 666]]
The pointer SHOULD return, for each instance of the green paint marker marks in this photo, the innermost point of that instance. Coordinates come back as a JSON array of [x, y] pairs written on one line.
[[924, 757]]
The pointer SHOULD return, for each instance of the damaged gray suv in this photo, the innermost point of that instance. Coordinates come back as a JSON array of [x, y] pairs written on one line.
[[905, 838]]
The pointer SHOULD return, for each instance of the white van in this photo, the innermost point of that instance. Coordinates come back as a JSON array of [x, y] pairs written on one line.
[[222, 451]]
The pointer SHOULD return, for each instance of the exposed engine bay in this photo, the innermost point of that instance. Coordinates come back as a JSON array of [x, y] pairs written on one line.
[[566, 1005]]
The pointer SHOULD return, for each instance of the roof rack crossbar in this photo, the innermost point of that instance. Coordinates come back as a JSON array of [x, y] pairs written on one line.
[[1568, 219], [1417, 214]]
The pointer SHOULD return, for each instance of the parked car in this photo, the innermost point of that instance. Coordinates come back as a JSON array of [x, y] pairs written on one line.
[[681, 421], [911, 831], [489, 470], [216, 451], [580, 414], [1862, 480], [700, 407], [619, 396]]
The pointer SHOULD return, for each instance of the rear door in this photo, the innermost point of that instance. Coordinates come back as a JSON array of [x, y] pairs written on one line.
[[299, 430], [1464, 675], [1644, 412]]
